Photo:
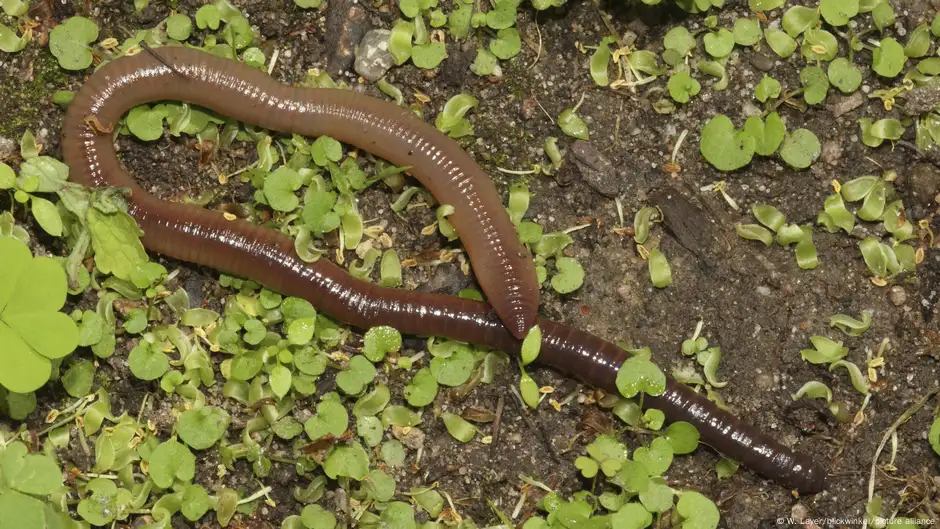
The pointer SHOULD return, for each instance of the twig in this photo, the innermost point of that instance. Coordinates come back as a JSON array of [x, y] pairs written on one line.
[[496, 421]]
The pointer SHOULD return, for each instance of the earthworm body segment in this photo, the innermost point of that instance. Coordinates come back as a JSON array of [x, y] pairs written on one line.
[[501, 263]]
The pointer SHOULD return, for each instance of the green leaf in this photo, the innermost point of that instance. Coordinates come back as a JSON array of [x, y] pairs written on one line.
[[279, 188], [767, 136], [399, 41], [571, 124], [179, 26], [682, 87], [798, 19], [825, 351], [171, 461], [331, 419], [357, 375], [10, 42], [458, 428], [754, 232], [659, 269], [782, 44], [78, 379], [765, 5], [452, 119], [800, 148], [507, 44], [428, 56], [600, 60], [69, 42], [934, 435], [815, 85], [50, 173], [316, 517], [638, 374], [918, 43], [455, 370], [106, 502], [747, 31], [883, 15], [47, 215], [378, 341], [844, 75], [838, 12], [767, 88], [888, 58], [349, 460], [698, 511], [195, 502], [719, 44], [201, 428], [683, 437], [115, 238], [680, 40], [147, 362], [422, 389], [32, 331], [35, 474], [569, 275], [724, 147], [850, 325]]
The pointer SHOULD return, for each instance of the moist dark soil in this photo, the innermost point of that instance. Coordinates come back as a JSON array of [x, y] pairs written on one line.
[[757, 305]]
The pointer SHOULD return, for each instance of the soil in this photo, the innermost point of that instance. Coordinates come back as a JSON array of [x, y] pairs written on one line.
[[757, 305]]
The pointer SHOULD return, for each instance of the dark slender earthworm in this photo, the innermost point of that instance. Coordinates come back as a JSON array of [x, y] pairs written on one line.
[[501, 263], [206, 237]]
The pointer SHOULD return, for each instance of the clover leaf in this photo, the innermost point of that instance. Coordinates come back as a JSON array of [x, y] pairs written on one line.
[[32, 330], [458, 427], [815, 85], [69, 42], [201, 428], [782, 44], [36, 474], [507, 44], [569, 275]]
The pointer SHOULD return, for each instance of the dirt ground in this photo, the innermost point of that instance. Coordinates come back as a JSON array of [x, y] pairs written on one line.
[[757, 305]]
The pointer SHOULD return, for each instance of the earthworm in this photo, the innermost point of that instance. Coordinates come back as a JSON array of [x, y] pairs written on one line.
[[501, 263], [205, 237]]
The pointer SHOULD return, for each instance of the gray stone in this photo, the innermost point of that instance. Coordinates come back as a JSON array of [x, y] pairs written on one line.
[[924, 183], [596, 169], [346, 24], [373, 59]]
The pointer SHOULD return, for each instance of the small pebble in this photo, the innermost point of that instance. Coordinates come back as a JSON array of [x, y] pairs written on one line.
[[897, 295]]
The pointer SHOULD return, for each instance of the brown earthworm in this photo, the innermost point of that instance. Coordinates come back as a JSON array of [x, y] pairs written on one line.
[[501, 263]]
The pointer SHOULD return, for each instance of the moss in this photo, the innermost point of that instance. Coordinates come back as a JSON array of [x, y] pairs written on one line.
[[27, 100]]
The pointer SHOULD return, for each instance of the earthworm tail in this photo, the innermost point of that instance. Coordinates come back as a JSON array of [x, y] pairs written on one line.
[[205, 237], [501, 263]]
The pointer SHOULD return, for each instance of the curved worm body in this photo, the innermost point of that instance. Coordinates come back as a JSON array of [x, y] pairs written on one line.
[[205, 237], [501, 263]]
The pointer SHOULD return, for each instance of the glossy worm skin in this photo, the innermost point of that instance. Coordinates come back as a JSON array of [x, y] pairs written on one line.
[[501, 263], [205, 237]]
